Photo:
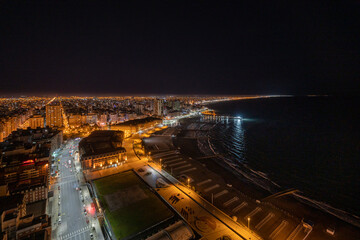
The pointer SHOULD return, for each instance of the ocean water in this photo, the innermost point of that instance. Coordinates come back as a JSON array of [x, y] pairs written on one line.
[[308, 143]]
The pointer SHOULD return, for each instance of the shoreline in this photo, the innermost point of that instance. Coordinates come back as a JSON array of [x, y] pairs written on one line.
[[322, 206], [287, 204]]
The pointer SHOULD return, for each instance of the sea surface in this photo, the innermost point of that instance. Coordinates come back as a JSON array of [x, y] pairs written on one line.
[[308, 143]]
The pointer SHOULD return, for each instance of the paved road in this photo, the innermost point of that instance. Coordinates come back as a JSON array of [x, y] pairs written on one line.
[[205, 219], [73, 220]]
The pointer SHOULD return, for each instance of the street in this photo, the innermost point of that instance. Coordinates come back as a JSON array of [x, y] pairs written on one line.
[[69, 217]]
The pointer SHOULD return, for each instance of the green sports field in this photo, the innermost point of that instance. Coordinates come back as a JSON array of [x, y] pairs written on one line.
[[130, 206]]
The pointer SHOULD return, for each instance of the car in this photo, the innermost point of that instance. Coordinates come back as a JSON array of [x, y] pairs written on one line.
[[308, 223], [331, 230]]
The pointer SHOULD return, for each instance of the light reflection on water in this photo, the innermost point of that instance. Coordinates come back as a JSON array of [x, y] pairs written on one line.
[[311, 144], [228, 137]]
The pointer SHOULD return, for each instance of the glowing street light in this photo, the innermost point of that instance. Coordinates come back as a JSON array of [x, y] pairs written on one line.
[[188, 180], [248, 222]]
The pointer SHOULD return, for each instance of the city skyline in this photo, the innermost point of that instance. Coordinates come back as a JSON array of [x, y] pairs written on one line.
[[179, 120]]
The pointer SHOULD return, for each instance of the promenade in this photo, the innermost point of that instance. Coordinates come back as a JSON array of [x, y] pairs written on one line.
[[237, 209], [203, 217]]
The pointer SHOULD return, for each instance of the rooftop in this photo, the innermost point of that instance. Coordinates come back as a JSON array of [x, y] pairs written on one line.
[[38, 133], [138, 121], [10, 202], [102, 141]]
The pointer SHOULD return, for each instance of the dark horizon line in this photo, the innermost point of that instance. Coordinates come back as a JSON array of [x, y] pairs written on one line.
[[177, 95], [93, 94]]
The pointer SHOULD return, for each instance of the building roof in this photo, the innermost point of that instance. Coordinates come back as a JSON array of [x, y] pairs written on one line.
[[10, 202], [102, 141], [138, 121], [38, 133]]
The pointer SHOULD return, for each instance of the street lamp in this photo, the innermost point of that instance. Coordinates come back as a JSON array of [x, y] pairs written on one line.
[[248, 222], [160, 162], [188, 182]]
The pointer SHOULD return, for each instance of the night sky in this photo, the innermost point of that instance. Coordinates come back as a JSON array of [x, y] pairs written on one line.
[[179, 47]]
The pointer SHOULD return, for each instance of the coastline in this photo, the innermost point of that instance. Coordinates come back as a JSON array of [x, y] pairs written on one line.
[[272, 188], [198, 147]]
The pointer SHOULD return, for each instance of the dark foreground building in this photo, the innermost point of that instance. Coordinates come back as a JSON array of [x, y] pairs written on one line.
[[17, 222], [102, 149]]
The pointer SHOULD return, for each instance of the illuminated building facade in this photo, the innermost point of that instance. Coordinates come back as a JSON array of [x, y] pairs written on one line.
[[158, 107], [54, 116], [134, 126], [25, 176], [102, 149], [91, 118], [76, 120], [34, 122], [10, 124], [24, 162]]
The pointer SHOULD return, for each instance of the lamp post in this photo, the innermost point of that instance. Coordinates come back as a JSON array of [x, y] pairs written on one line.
[[160, 163], [188, 180], [248, 222]]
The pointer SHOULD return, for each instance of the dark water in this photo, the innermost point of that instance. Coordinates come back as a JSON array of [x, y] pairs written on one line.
[[308, 143]]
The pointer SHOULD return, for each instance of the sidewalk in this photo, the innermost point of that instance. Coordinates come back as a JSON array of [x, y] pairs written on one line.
[[93, 221], [202, 217], [226, 225]]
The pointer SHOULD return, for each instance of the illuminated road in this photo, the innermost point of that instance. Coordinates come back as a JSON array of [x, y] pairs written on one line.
[[202, 216], [73, 220]]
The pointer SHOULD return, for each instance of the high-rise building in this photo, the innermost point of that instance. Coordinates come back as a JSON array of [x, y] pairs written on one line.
[[158, 107], [53, 116]]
